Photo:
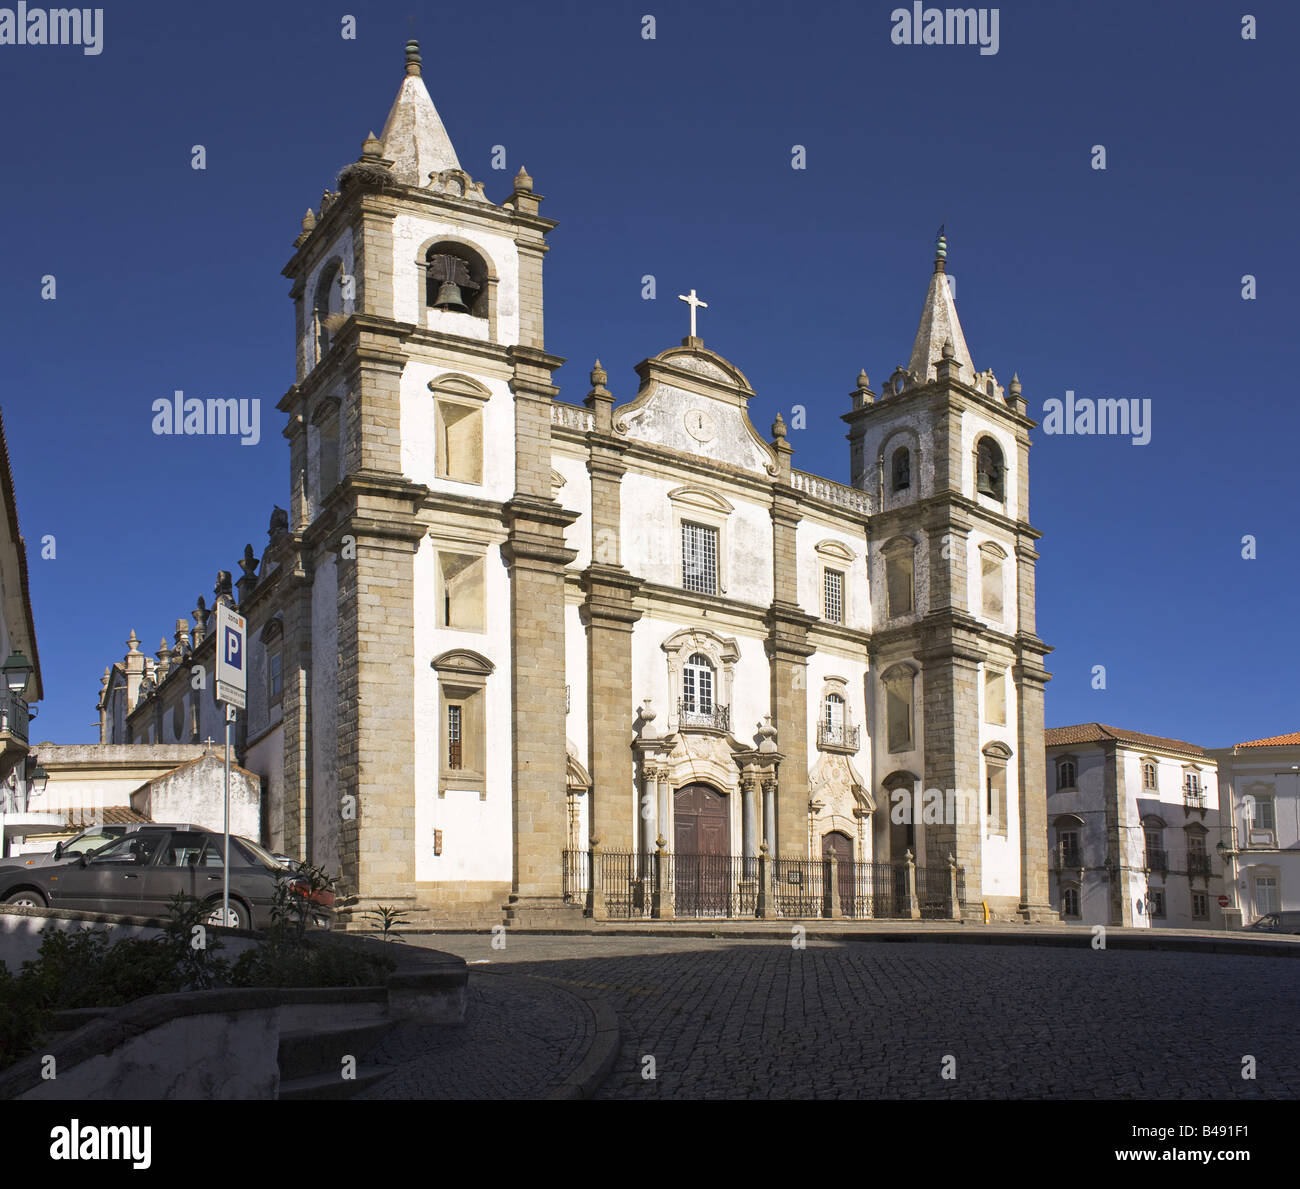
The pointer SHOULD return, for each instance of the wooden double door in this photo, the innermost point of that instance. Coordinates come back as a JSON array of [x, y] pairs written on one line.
[[841, 847], [702, 875]]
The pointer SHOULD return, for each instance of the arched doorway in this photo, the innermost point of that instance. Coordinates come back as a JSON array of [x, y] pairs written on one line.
[[840, 846], [701, 851]]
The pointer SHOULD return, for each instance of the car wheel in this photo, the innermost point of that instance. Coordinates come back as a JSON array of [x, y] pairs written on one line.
[[27, 899], [238, 918]]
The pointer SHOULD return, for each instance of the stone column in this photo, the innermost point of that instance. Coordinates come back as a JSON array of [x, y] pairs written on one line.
[[769, 814], [748, 818], [648, 812], [913, 906], [666, 825], [1030, 679]]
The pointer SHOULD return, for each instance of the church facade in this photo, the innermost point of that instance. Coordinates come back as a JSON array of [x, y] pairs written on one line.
[[495, 630]]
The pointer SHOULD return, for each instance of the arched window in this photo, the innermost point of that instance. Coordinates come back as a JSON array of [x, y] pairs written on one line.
[[327, 308], [1066, 774], [990, 473], [697, 685], [900, 696], [901, 469], [1149, 774], [1070, 902], [834, 715], [455, 280]]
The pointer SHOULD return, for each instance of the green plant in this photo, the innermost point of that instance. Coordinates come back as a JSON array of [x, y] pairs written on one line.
[[294, 902], [282, 963], [385, 917]]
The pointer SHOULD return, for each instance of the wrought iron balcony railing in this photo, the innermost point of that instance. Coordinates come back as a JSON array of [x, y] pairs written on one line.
[[837, 735], [1193, 798], [1157, 860], [13, 715], [1198, 865], [691, 714], [1067, 857]]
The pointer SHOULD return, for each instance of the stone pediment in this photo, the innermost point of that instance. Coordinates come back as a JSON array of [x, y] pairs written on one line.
[[694, 402]]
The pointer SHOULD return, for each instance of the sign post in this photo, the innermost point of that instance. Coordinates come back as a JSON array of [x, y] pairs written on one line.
[[232, 687]]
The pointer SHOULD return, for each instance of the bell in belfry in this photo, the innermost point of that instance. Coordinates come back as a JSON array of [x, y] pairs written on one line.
[[452, 273]]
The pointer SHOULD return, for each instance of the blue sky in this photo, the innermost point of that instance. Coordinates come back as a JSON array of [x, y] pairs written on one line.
[[673, 157]]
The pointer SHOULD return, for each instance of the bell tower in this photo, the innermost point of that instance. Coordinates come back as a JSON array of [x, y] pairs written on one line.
[[958, 676], [426, 534]]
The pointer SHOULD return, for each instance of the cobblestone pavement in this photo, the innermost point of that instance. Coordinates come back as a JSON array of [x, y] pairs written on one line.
[[759, 1019], [520, 1038]]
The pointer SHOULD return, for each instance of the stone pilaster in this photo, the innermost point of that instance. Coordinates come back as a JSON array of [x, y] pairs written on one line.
[[1031, 680], [373, 250], [376, 687], [950, 697], [788, 650], [1122, 882]]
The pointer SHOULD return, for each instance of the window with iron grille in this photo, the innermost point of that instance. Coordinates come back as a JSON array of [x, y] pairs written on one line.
[[834, 596], [453, 737], [699, 558], [697, 685], [1156, 902], [1070, 902], [1200, 904]]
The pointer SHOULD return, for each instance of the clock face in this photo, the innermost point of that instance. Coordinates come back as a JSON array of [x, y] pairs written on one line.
[[699, 425]]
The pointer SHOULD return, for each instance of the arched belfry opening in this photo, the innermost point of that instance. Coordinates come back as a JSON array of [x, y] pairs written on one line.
[[456, 279]]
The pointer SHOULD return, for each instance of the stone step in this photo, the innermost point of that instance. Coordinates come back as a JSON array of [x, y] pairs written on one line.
[[308, 1052], [330, 1086]]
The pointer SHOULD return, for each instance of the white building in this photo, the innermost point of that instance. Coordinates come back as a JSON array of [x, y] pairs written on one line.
[[1261, 781], [493, 625], [1134, 829]]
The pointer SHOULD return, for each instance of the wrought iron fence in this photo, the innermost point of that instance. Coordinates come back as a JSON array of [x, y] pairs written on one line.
[[13, 714], [691, 713], [834, 734], [729, 886]]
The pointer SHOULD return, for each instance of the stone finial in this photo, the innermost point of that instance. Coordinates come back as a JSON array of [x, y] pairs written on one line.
[[862, 394], [223, 587], [523, 181], [249, 562], [133, 642], [1014, 387], [647, 712], [413, 57], [201, 616], [949, 352], [863, 381], [940, 250], [660, 842], [599, 376], [308, 226], [778, 427], [766, 735], [372, 148]]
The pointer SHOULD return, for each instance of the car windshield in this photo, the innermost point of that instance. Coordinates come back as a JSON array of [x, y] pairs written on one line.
[[87, 842], [260, 856]]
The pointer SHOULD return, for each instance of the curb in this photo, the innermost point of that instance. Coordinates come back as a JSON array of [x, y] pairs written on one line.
[[590, 1073], [1116, 937]]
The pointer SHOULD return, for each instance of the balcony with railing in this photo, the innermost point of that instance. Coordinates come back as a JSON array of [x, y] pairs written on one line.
[[838, 736], [1157, 860], [13, 716], [1193, 797], [693, 715], [1198, 864]]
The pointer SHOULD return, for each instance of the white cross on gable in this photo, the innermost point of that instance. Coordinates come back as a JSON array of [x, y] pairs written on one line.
[[695, 303]]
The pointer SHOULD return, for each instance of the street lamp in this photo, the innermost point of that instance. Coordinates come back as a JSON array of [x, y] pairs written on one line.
[[18, 671], [37, 777]]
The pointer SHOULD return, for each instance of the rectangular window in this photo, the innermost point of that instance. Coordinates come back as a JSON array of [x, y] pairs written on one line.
[[898, 711], [1069, 841], [454, 737], [1156, 903], [277, 684], [996, 787], [1266, 894], [460, 442], [833, 591], [699, 558], [1200, 905], [1070, 902], [1264, 818], [898, 585], [461, 599], [991, 586], [995, 697]]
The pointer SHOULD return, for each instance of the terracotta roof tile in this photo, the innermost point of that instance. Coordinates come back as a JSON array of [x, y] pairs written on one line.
[[1291, 740], [1095, 732], [110, 815]]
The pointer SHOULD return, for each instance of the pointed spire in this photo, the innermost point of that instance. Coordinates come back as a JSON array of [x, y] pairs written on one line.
[[413, 136], [940, 327]]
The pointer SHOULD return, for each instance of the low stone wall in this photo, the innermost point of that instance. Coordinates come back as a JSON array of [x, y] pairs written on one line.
[[220, 1044], [22, 929]]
